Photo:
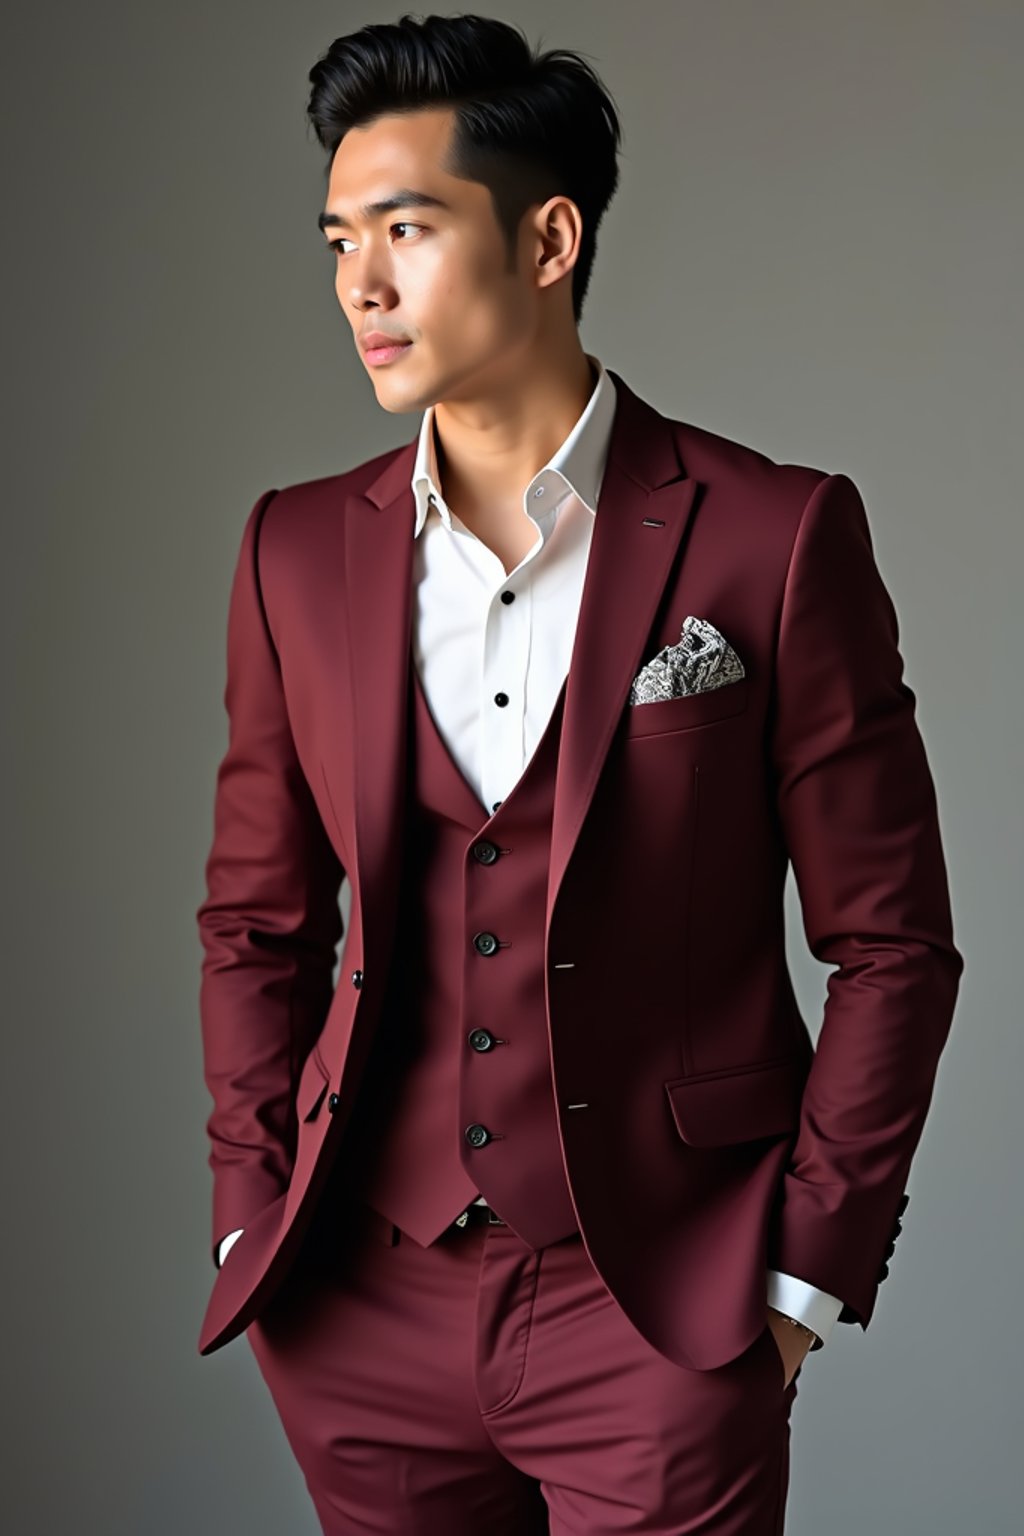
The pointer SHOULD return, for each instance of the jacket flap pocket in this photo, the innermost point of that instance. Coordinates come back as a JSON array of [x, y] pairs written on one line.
[[311, 1089], [717, 1108]]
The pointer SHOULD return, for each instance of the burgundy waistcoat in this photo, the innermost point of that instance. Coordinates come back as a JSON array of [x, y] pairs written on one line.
[[457, 1098]]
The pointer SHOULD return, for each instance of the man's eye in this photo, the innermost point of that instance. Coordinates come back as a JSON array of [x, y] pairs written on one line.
[[335, 245]]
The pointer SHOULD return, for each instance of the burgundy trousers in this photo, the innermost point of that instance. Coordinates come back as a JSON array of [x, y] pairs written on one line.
[[478, 1385]]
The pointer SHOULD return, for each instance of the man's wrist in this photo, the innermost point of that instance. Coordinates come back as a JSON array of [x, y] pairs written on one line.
[[809, 1304], [809, 1336]]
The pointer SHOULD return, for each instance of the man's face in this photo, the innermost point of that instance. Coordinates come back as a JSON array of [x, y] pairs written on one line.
[[434, 274]]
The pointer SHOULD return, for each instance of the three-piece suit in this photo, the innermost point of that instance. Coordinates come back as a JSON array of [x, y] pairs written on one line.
[[514, 1189]]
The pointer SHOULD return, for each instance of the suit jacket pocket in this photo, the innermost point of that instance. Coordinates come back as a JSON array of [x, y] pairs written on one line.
[[714, 1109], [689, 709]]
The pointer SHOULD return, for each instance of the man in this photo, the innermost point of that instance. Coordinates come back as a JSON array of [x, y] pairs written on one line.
[[534, 1216]]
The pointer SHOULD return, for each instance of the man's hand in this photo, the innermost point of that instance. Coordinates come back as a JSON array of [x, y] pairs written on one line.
[[793, 1343]]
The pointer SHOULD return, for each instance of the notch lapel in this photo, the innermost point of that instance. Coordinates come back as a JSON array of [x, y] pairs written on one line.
[[644, 507], [378, 608]]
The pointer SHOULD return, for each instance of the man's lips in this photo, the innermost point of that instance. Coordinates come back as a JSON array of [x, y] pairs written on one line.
[[381, 346], [386, 352]]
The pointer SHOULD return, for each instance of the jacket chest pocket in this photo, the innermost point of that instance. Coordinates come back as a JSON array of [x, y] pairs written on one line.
[[687, 711]]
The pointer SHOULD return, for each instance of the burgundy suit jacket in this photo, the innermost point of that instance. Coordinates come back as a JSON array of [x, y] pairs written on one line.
[[718, 1141]]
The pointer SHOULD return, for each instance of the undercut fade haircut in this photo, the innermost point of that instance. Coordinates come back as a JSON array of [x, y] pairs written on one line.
[[528, 125]]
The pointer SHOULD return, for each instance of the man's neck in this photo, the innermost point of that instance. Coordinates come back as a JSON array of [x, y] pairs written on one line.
[[486, 459]]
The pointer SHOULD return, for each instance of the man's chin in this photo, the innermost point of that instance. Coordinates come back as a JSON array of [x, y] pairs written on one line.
[[400, 397], [399, 405]]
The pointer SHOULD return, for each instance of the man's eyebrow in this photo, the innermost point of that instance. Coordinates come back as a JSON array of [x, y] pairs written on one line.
[[405, 197]]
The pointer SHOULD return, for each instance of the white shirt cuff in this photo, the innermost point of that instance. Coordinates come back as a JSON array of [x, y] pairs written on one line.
[[817, 1310], [225, 1244]]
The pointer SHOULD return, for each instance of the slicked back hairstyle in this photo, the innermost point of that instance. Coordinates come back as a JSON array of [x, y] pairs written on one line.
[[527, 125]]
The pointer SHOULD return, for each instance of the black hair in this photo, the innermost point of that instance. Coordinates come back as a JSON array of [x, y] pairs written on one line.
[[527, 125]]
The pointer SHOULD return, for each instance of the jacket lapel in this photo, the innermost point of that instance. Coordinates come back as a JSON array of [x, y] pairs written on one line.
[[378, 608], [644, 507]]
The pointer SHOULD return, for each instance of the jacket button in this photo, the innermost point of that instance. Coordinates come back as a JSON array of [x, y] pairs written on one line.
[[481, 1039], [477, 1135], [332, 1102], [357, 978], [485, 852], [486, 943]]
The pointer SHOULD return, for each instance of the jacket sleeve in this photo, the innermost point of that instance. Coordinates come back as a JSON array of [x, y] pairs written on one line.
[[859, 817], [270, 922]]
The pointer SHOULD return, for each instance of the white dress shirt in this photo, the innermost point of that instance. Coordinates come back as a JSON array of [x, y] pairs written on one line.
[[468, 645]]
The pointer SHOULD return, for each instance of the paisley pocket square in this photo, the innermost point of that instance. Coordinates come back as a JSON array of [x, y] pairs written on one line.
[[701, 659]]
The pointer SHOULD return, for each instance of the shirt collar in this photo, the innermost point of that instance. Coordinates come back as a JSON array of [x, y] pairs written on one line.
[[578, 465]]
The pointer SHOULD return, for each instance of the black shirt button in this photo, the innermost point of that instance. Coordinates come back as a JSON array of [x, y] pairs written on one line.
[[501, 699], [508, 597]]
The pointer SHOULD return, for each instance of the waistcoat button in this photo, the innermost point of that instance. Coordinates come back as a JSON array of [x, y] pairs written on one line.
[[477, 1135], [485, 852], [486, 943], [481, 1039]]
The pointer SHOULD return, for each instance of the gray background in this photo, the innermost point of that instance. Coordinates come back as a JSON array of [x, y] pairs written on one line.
[[815, 249]]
